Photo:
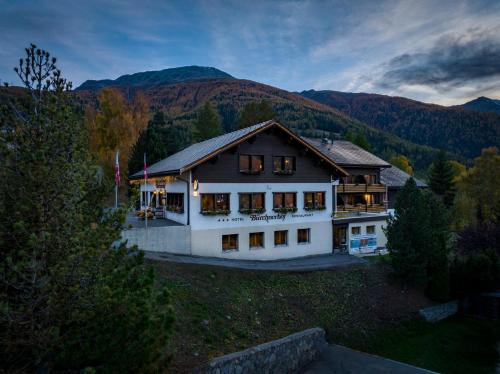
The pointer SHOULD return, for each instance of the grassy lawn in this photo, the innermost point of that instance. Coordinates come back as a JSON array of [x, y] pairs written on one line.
[[456, 345], [221, 310]]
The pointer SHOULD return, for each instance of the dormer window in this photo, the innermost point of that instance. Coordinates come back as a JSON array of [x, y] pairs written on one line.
[[283, 164], [251, 164]]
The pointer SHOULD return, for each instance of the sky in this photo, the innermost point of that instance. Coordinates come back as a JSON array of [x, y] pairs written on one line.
[[443, 52]]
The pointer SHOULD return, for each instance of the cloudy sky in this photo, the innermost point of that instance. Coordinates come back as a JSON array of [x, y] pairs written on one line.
[[441, 51]]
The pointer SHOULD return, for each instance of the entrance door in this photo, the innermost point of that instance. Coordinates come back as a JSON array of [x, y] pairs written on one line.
[[340, 238]]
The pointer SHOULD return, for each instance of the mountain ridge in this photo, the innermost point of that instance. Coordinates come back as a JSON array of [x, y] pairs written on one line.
[[157, 77], [483, 104]]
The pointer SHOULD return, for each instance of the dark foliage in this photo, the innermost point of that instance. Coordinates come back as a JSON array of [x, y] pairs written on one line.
[[70, 296], [441, 179], [255, 112], [454, 129], [417, 239], [207, 124]]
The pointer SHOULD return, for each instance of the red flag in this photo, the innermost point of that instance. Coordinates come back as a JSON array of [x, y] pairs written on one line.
[[145, 168], [117, 169]]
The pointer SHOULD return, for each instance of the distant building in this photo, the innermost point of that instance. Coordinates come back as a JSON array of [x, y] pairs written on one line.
[[264, 193]]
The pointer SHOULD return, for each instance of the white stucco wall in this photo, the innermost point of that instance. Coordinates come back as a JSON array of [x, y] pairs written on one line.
[[379, 232], [209, 242]]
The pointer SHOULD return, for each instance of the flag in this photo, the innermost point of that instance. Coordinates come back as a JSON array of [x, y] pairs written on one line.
[[117, 169], [145, 168]]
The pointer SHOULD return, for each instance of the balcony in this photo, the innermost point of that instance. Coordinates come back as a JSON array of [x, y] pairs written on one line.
[[360, 188], [352, 210]]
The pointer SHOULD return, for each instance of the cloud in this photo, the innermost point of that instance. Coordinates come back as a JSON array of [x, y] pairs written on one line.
[[452, 62]]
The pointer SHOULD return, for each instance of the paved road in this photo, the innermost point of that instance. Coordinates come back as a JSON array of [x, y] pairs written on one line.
[[341, 360], [310, 263]]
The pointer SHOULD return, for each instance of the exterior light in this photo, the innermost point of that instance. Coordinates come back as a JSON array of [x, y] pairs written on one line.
[[195, 187]]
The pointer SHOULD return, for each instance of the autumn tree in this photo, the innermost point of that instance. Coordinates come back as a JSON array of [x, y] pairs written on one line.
[[207, 124], [71, 296], [402, 163], [255, 112], [115, 126]]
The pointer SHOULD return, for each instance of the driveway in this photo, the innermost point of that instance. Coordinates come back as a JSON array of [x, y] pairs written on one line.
[[311, 263], [337, 359]]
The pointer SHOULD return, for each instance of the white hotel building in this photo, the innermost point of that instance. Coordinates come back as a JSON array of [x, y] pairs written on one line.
[[263, 193]]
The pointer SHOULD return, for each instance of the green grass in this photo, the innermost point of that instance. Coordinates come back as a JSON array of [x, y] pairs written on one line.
[[456, 345], [219, 310]]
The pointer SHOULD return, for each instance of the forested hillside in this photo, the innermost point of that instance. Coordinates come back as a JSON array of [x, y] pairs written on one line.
[[180, 101], [483, 104], [454, 129]]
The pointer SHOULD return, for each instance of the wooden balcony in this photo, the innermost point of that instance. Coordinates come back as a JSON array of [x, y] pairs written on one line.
[[346, 210], [360, 188]]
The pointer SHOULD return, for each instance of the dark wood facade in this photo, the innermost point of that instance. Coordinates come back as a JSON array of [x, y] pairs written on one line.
[[224, 168]]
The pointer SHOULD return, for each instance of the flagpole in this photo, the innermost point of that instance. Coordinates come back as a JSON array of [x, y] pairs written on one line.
[[146, 194], [117, 176]]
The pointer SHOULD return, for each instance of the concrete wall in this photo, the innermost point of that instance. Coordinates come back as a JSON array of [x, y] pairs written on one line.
[[171, 239], [209, 242], [286, 355]]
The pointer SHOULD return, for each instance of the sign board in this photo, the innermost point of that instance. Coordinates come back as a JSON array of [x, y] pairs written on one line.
[[363, 243]]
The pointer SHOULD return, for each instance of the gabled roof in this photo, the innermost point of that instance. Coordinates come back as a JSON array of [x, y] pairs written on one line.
[[200, 152], [396, 178], [347, 154]]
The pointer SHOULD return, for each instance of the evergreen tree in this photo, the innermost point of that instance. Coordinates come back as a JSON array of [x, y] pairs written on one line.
[[361, 141], [207, 124], [441, 179], [417, 237], [255, 112], [70, 297]]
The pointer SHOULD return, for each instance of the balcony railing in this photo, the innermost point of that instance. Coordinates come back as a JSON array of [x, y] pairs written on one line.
[[349, 210], [360, 188]]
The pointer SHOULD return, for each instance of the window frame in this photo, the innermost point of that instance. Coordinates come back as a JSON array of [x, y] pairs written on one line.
[[282, 169], [315, 205], [283, 201], [308, 230], [214, 202], [236, 248], [356, 227], [252, 208], [262, 233], [174, 206], [374, 230], [250, 163], [286, 238]]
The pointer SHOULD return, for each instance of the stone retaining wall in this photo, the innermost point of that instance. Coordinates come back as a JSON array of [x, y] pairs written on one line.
[[439, 312], [286, 355]]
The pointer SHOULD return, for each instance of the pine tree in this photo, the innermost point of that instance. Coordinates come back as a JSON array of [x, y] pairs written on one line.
[[69, 295], [255, 112], [207, 124], [361, 141], [441, 179], [417, 238]]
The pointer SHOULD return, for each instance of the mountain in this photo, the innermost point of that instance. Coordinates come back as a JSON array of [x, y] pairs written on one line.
[[455, 129], [154, 78], [180, 101], [483, 104]]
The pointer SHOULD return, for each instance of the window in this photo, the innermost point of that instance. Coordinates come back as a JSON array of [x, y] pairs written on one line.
[[214, 202], [370, 229], [281, 238], [175, 202], [256, 240], [314, 200], [251, 164], [356, 230], [283, 164], [252, 202], [371, 179], [284, 200], [303, 236], [230, 242]]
